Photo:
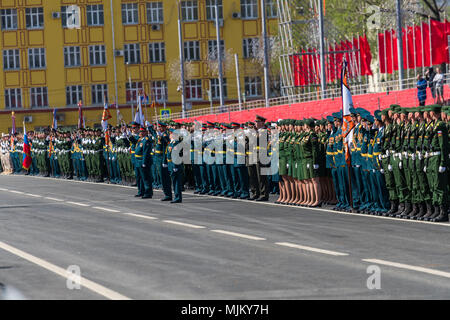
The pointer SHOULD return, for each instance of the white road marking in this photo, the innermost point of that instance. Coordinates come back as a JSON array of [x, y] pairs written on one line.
[[18, 192], [184, 224], [34, 195], [140, 216], [297, 246], [99, 289], [409, 267], [106, 209], [54, 199], [240, 235], [78, 204], [2, 189]]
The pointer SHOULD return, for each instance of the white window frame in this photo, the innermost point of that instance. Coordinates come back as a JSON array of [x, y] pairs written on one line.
[[191, 50], [95, 15], [189, 10], [271, 9], [34, 18], [39, 93], [194, 89], [160, 91], [211, 10], [97, 55], [157, 52], [11, 55], [73, 95], [253, 86], [132, 93], [8, 19], [155, 13], [249, 9], [132, 50], [73, 56], [130, 13], [213, 50], [214, 87], [98, 90], [9, 94], [250, 47], [40, 55]]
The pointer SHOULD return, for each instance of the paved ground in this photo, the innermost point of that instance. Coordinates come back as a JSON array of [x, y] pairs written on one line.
[[206, 247]]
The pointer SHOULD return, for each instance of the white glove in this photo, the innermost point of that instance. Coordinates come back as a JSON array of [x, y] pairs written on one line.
[[143, 166], [287, 165], [379, 157], [295, 166], [425, 169], [442, 169], [165, 165], [316, 166], [400, 156], [358, 166], [175, 169], [307, 166], [390, 167], [382, 171], [400, 165], [420, 156]]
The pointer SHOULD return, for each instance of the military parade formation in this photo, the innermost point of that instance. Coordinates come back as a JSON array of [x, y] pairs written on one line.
[[397, 164]]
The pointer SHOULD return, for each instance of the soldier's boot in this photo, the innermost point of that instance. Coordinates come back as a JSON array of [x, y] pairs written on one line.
[[437, 213], [414, 212], [400, 209], [429, 212], [407, 211], [394, 208], [422, 211], [443, 215]]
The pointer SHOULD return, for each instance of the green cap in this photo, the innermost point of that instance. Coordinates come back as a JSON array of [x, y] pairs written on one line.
[[435, 108], [394, 107]]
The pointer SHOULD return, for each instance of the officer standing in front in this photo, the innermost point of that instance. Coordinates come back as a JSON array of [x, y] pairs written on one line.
[[175, 169], [143, 161]]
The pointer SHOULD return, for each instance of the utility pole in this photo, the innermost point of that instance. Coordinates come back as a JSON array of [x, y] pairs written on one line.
[[323, 75], [183, 85], [219, 58], [266, 52], [238, 79], [400, 44]]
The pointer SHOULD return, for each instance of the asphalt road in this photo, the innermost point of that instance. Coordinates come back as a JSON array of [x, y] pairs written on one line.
[[207, 247]]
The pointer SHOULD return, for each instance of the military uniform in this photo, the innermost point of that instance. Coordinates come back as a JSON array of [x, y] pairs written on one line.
[[143, 161]]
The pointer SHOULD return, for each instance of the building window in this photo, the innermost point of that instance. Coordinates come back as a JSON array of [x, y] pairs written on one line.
[[72, 57], [95, 15], [271, 9], [74, 94], [215, 88], [155, 12], [71, 17], [133, 91], [11, 59], [194, 89], [253, 87], [132, 53], [211, 9], [213, 50], [39, 97], [189, 10], [9, 19], [99, 93], [191, 50], [250, 47], [36, 58], [97, 55], [130, 13], [13, 98], [159, 91], [157, 52], [249, 9], [35, 18]]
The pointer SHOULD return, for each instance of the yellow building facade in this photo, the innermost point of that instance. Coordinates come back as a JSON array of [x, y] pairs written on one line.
[[59, 52]]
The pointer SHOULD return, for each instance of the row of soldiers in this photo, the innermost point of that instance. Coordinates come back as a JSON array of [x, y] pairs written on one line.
[[398, 164]]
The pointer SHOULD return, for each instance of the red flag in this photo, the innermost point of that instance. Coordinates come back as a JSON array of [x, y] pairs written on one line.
[[411, 46], [395, 50], [296, 69], [26, 163], [438, 43], [426, 44], [381, 53], [305, 68], [405, 51], [366, 56], [418, 42], [357, 54], [389, 54], [332, 64]]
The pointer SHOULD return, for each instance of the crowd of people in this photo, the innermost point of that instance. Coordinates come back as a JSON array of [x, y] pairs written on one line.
[[396, 163]]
